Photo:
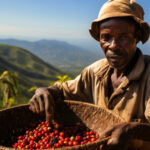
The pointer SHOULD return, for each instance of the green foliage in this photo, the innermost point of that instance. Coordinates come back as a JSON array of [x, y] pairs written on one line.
[[61, 79], [32, 89], [11, 101], [9, 88]]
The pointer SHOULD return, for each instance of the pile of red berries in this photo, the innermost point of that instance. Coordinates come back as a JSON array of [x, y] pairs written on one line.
[[44, 136]]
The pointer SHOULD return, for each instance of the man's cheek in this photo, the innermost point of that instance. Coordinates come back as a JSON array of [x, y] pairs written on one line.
[[105, 50]]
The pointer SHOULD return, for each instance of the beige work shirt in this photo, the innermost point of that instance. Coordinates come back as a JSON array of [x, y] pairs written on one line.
[[131, 100]]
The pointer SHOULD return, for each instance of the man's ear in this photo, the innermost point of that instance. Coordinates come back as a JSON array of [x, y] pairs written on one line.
[[138, 35]]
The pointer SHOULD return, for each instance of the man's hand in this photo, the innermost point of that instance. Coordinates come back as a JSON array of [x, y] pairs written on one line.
[[43, 101], [119, 136]]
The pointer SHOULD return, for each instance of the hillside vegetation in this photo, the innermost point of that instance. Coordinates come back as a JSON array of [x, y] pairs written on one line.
[[31, 70]]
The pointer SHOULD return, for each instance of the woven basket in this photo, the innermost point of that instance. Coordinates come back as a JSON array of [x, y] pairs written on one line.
[[18, 118]]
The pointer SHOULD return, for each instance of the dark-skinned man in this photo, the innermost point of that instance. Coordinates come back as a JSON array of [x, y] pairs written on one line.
[[120, 83]]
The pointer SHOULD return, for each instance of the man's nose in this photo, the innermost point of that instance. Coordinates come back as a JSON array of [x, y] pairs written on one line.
[[114, 45]]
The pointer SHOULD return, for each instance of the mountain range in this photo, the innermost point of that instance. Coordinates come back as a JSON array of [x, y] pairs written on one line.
[[60, 54]]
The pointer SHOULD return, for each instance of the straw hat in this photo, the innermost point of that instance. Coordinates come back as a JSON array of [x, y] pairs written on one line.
[[121, 8]]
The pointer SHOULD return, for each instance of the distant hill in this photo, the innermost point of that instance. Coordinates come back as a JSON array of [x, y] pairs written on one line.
[[60, 54], [31, 70]]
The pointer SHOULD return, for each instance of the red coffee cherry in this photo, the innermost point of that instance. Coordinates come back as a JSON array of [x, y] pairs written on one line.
[[43, 136]]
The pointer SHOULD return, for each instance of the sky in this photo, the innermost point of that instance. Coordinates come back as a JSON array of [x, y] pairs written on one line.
[[67, 20]]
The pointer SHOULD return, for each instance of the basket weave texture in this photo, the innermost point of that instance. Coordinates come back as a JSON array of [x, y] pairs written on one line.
[[67, 113]]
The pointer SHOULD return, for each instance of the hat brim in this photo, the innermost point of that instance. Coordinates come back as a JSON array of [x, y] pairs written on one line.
[[144, 27]]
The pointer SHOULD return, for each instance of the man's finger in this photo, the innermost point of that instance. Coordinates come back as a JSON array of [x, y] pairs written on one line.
[[113, 141], [32, 106], [36, 105], [49, 108], [41, 103], [117, 141], [49, 119], [101, 147], [104, 147], [107, 132]]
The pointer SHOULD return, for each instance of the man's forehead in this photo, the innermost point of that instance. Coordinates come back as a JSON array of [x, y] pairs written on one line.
[[124, 21]]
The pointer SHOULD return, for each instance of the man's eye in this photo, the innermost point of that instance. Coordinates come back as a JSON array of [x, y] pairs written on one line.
[[124, 36], [105, 37]]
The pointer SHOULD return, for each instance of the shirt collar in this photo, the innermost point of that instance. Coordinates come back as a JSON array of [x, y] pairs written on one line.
[[138, 69]]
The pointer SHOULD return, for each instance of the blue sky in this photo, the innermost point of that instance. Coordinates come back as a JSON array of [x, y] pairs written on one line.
[[51, 19]]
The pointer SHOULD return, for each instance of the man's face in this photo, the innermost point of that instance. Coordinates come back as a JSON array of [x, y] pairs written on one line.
[[118, 41]]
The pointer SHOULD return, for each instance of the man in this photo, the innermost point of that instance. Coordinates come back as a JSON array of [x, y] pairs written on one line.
[[121, 82]]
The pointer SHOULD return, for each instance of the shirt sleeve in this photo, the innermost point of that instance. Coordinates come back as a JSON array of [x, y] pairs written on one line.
[[78, 89], [147, 96]]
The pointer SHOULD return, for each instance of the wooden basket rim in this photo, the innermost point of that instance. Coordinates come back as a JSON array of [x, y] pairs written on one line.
[[74, 102]]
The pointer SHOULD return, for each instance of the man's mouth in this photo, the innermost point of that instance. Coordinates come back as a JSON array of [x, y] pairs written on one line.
[[115, 56]]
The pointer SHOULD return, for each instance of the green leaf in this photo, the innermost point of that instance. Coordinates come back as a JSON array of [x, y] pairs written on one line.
[[33, 89]]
